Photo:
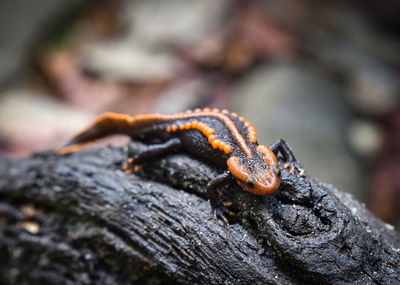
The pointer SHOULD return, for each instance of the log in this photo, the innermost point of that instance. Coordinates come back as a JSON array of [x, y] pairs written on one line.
[[80, 219]]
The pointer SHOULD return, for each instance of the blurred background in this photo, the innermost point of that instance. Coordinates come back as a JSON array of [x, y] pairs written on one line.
[[323, 75]]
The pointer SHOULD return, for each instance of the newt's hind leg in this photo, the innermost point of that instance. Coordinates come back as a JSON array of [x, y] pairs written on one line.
[[151, 152], [280, 146]]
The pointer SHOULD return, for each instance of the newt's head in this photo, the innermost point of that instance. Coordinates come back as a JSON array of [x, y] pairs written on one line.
[[259, 174]]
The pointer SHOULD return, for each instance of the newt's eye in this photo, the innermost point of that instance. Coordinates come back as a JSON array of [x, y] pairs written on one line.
[[250, 182]]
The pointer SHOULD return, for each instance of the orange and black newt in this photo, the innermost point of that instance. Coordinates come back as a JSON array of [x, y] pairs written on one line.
[[223, 138]]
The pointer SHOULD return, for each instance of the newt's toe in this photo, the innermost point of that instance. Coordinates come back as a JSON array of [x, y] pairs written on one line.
[[228, 204], [222, 214], [295, 168]]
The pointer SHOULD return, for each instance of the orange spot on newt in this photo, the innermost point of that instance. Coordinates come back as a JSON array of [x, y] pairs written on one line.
[[215, 143], [195, 124], [211, 138], [227, 149]]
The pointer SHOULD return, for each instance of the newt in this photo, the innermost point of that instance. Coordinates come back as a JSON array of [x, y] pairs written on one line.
[[217, 136]]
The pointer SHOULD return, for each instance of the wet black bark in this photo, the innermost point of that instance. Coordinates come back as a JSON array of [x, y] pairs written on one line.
[[80, 219]]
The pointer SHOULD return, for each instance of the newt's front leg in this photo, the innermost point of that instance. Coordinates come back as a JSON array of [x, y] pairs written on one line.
[[220, 211], [280, 146]]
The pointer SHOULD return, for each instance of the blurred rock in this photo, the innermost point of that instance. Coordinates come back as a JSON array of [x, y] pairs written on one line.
[[342, 40], [173, 22], [127, 61], [183, 95], [64, 77], [102, 90], [374, 90], [30, 121], [303, 105], [373, 84], [249, 37], [365, 137]]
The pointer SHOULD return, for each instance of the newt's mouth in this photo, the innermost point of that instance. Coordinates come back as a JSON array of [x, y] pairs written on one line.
[[260, 188]]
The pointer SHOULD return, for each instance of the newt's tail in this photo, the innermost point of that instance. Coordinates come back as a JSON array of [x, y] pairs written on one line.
[[105, 125]]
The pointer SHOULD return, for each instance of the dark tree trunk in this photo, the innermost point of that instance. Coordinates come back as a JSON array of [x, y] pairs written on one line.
[[80, 219]]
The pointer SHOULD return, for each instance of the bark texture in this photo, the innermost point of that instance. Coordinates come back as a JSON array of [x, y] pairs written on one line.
[[80, 219]]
